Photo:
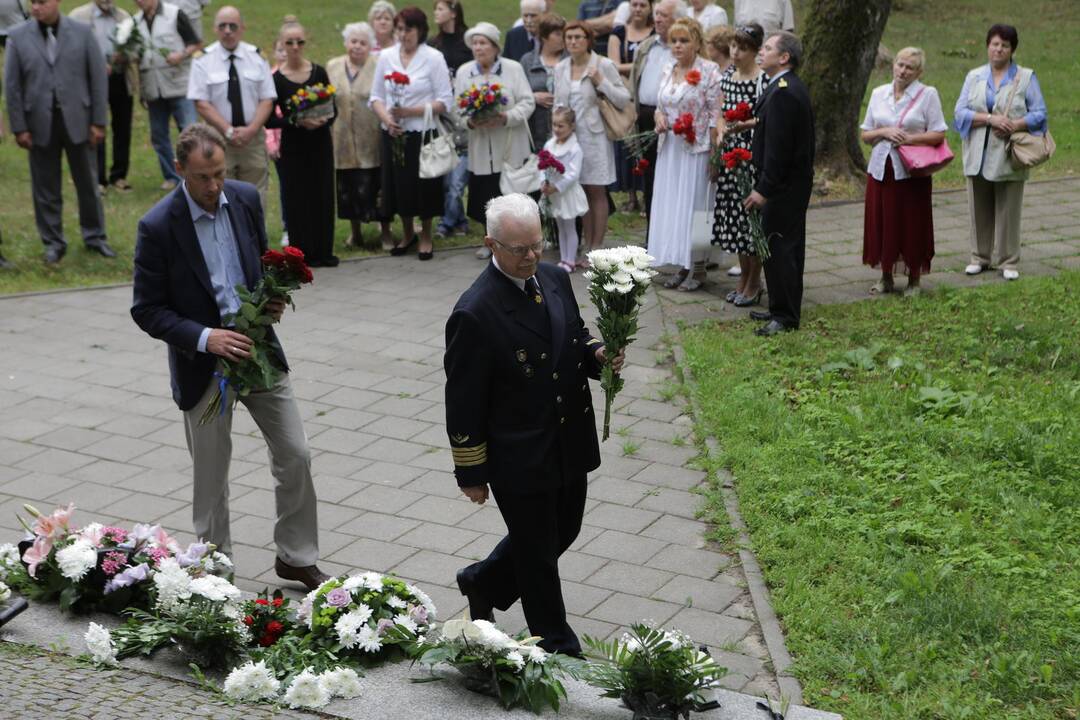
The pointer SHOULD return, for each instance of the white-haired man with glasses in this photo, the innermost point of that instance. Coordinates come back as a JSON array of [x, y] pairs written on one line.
[[520, 419]]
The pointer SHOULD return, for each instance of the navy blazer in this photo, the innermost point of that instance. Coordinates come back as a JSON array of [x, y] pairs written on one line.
[[517, 43], [783, 146], [173, 298], [518, 408]]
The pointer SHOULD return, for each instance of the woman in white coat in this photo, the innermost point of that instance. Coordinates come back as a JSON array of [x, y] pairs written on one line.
[[499, 139], [580, 80]]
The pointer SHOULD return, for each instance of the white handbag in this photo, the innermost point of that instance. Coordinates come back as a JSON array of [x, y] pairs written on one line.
[[525, 179], [437, 155], [701, 227]]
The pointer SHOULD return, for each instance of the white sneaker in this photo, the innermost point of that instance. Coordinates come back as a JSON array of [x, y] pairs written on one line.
[[1010, 274], [734, 271], [483, 253], [284, 239], [974, 269]]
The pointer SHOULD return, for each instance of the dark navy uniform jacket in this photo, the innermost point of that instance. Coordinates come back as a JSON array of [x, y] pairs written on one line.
[[518, 408]]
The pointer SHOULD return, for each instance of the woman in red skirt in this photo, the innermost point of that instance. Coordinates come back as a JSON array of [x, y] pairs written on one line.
[[899, 221]]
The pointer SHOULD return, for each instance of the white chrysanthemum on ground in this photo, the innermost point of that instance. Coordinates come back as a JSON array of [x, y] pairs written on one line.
[[99, 643], [368, 640], [516, 659], [406, 622], [307, 691], [348, 625], [492, 637], [537, 654], [216, 588], [425, 600], [250, 682], [172, 583], [9, 559], [76, 559], [341, 682], [397, 603]]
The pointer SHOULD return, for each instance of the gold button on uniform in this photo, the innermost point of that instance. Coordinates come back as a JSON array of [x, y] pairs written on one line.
[[562, 420], [554, 376], [573, 341], [543, 356]]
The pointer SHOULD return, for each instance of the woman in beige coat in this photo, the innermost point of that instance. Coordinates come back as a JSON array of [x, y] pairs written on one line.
[[356, 135], [502, 138]]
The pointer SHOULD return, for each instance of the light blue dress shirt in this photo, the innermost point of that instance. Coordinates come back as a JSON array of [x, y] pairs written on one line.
[[1036, 105], [221, 254]]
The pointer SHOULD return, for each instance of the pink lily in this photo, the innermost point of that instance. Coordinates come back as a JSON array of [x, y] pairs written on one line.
[[37, 554]]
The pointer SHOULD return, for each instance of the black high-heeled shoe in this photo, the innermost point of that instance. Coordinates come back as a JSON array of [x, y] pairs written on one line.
[[399, 250]]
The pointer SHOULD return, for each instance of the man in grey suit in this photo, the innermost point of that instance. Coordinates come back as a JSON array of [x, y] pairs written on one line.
[[58, 103]]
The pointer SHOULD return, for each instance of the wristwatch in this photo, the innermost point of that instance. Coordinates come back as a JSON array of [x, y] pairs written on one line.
[[229, 133]]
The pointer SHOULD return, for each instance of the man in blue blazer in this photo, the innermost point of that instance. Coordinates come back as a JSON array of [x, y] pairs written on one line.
[[523, 38], [192, 249]]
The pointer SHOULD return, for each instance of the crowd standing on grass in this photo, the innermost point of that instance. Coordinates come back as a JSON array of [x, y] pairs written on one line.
[[617, 66]]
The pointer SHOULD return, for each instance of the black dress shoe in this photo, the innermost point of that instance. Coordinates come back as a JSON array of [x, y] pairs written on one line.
[[311, 576], [480, 608], [54, 253], [102, 248], [774, 327], [762, 315]]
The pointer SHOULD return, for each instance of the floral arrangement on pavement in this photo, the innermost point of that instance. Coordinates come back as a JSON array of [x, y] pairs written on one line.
[[370, 617], [737, 162], [311, 102], [283, 273], [655, 672], [267, 617], [551, 166], [97, 567], [396, 82], [482, 103], [618, 278], [515, 670]]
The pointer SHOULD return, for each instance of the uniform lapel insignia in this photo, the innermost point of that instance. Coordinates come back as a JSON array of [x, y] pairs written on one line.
[[459, 439], [521, 356], [528, 370], [781, 83]]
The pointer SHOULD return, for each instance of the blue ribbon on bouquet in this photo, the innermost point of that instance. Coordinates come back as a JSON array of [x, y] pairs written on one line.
[[223, 388]]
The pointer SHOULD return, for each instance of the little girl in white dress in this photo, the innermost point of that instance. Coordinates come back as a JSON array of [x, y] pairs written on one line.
[[563, 191]]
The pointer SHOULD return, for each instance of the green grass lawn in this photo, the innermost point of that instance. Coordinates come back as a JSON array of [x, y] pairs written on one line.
[[908, 471], [951, 32]]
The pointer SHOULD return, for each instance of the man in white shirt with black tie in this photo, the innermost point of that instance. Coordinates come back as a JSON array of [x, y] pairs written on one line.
[[234, 92]]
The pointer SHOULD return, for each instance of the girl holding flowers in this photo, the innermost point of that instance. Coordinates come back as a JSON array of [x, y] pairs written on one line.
[[741, 86], [686, 118], [562, 190]]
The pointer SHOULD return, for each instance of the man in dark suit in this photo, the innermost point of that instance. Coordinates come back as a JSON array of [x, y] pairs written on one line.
[[784, 157], [192, 250], [58, 103], [520, 418], [523, 38]]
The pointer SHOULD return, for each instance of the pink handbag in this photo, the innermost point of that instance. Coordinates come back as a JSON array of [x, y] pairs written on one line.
[[923, 160]]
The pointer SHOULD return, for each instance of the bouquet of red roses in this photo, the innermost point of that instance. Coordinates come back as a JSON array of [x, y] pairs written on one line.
[[267, 617], [550, 166], [395, 84], [283, 272], [737, 161], [684, 127]]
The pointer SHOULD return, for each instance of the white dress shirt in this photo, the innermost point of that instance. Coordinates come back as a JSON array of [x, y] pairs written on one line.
[[429, 82], [771, 15], [884, 111], [653, 69], [710, 16], [209, 79]]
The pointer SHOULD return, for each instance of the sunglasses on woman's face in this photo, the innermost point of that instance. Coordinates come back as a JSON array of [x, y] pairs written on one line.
[[297, 43]]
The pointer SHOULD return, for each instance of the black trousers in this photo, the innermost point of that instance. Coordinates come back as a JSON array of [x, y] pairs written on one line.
[[784, 222], [525, 564], [120, 109], [646, 121]]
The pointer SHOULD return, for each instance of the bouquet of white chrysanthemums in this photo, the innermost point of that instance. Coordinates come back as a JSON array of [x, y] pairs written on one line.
[[517, 671], [128, 42], [618, 279]]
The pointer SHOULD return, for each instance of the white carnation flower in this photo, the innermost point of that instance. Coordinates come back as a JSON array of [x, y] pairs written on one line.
[[250, 682], [516, 659], [537, 654], [76, 559], [172, 583], [99, 643], [307, 691], [341, 682], [368, 640], [216, 588], [5, 592]]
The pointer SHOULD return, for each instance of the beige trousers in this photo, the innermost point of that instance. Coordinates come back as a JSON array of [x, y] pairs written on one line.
[[250, 164], [995, 221], [296, 531]]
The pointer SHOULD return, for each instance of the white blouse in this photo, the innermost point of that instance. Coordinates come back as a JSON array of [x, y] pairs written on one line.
[[429, 81], [884, 111]]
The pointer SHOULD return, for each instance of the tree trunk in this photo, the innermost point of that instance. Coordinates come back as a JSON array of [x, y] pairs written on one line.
[[840, 39]]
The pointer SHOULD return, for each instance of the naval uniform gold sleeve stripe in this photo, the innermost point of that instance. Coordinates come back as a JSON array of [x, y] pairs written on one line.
[[470, 456], [469, 463]]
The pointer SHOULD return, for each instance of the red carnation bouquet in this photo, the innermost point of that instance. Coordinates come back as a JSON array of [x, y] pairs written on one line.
[[395, 85], [267, 617], [737, 162], [740, 113], [550, 166], [283, 272], [684, 127]]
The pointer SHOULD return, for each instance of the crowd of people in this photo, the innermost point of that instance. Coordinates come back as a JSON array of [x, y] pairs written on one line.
[[574, 86]]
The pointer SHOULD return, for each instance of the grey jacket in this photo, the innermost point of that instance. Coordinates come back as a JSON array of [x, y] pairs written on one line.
[[77, 81]]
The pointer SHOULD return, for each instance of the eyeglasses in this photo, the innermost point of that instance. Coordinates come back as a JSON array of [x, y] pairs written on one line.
[[297, 43], [231, 27], [521, 251]]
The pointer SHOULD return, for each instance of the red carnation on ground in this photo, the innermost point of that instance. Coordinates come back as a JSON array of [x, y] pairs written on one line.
[[262, 601], [274, 628], [693, 77], [277, 602], [248, 620]]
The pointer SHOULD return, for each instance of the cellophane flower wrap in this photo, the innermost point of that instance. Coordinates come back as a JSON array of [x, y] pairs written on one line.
[[370, 617], [737, 162], [618, 279], [396, 82], [552, 167], [96, 567], [655, 672], [283, 273], [311, 102], [516, 670], [481, 103]]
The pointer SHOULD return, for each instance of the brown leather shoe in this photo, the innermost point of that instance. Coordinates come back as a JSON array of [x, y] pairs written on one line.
[[311, 576]]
